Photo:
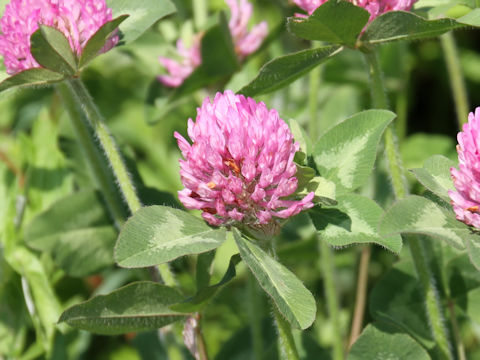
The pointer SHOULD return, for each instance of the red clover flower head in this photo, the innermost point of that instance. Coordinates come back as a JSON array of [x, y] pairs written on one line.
[[239, 170], [466, 198], [78, 20], [374, 7]]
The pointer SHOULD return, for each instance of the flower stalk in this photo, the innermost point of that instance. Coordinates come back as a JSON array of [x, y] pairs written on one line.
[[122, 176], [104, 158], [457, 80], [395, 166], [326, 262], [96, 161], [286, 343]]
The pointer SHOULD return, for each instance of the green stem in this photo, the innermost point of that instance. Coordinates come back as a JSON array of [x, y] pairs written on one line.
[[200, 13], [96, 161], [433, 306], [288, 350], [255, 315], [107, 143], [457, 80], [326, 262], [108, 167], [401, 106], [314, 84], [380, 101], [361, 295], [286, 343], [456, 332], [432, 302], [200, 340]]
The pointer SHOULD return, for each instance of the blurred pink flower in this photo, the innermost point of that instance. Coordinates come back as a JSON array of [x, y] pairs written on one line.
[[466, 198], [374, 7], [309, 5], [78, 20], [189, 60], [240, 166], [244, 41]]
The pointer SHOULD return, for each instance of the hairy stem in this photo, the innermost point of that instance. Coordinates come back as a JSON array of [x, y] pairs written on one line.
[[361, 295], [288, 350], [107, 143], [432, 303], [314, 84], [457, 80], [254, 313], [200, 340], [96, 161], [326, 262], [456, 332], [103, 156], [380, 101]]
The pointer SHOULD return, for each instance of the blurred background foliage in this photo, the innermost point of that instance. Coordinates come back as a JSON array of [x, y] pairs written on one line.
[[40, 159]]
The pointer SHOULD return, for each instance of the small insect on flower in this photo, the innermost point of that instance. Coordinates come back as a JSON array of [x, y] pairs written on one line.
[[239, 170], [466, 199], [78, 20]]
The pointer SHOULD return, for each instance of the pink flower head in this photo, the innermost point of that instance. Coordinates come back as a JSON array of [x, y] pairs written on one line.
[[309, 5], [189, 60], [466, 200], [244, 41], [374, 7], [239, 169], [78, 20]]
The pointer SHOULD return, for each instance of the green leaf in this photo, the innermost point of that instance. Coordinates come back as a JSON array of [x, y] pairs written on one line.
[[140, 306], [283, 70], [397, 299], [435, 176], [51, 49], [379, 342], [87, 251], [464, 285], [13, 314], [197, 302], [472, 243], [472, 18], [353, 221], [77, 230], [203, 269], [402, 25], [301, 137], [142, 15], [218, 52], [80, 211], [325, 190], [346, 154], [43, 304], [291, 297], [31, 77], [159, 234], [418, 215], [338, 22], [98, 40]]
